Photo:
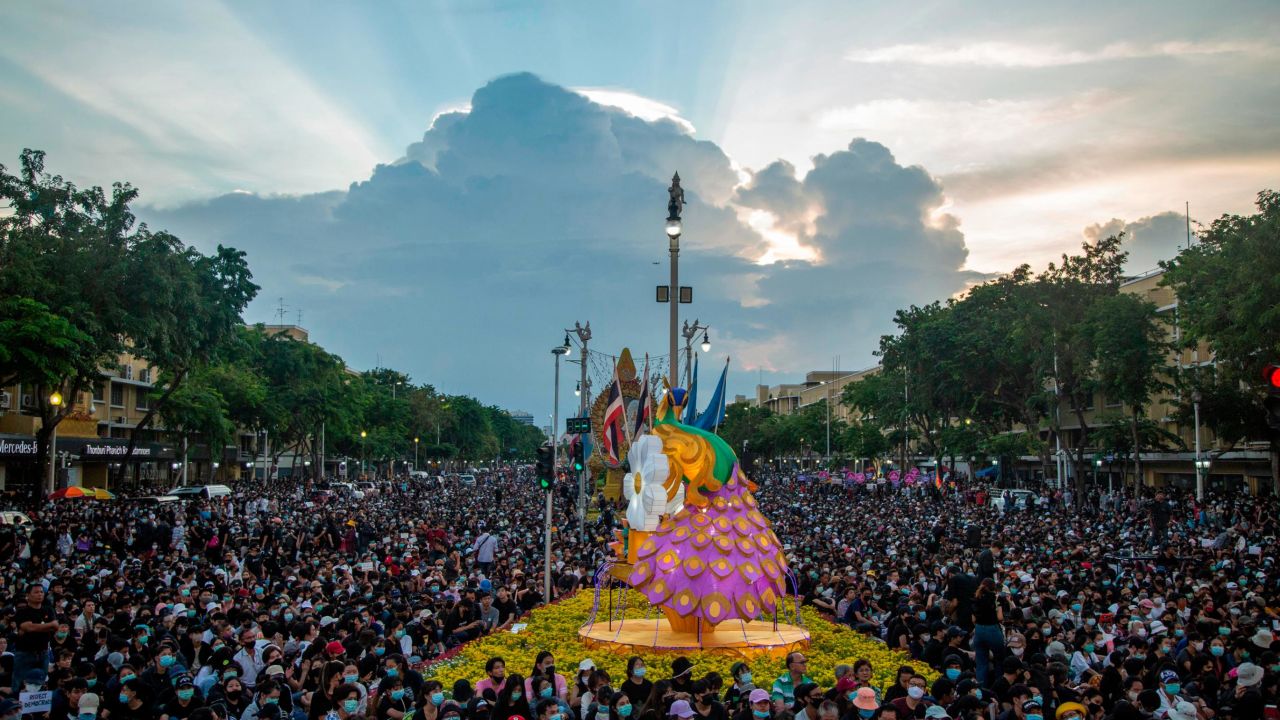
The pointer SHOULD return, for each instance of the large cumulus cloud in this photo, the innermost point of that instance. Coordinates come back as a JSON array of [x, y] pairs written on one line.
[[1148, 240], [462, 261]]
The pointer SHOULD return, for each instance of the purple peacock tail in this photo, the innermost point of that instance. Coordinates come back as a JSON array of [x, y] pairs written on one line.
[[718, 558]]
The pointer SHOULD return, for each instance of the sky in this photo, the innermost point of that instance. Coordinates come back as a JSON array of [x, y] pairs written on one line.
[[444, 187]]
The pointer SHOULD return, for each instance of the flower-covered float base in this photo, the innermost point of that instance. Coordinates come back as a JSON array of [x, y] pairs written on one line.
[[735, 637], [554, 628]]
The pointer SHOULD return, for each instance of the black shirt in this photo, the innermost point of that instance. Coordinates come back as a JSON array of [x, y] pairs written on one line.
[[32, 642], [984, 610]]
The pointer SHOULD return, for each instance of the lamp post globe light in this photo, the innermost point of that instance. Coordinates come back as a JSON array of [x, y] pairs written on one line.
[[363, 434], [55, 399], [706, 342]]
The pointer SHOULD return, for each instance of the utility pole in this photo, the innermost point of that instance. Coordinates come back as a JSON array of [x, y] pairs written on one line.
[[584, 336], [557, 351]]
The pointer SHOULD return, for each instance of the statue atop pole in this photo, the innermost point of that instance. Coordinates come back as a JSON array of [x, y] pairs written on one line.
[[675, 205]]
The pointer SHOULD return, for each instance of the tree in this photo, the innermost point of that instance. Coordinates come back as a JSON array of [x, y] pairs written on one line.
[[70, 251], [744, 429], [188, 311], [1069, 292], [1005, 357], [1129, 352], [37, 346], [1227, 285]]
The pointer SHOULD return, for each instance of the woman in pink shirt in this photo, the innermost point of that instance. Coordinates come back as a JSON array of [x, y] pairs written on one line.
[[545, 665]]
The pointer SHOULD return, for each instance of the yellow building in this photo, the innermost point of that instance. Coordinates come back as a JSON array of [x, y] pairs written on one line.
[[93, 439], [818, 385]]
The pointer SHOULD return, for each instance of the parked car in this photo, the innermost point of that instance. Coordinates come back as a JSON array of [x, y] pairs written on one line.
[[1021, 499], [367, 487], [467, 479], [156, 499], [13, 517], [348, 489], [200, 491]]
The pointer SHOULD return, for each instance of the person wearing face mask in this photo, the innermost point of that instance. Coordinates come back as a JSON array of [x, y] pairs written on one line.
[[863, 704], [348, 704], [394, 700], [621, 707], [1169, 689], [914, 704], [511, 700], [185, 700], [636, 685], [1192, 650], [706, 706], [495, 670], [266, 704], [808, 697], [759, 706]]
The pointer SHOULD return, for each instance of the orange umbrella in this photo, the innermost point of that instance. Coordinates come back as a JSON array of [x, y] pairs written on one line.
[[79, 492]]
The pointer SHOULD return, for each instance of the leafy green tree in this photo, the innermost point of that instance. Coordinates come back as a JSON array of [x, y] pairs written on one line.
[[744, 428], [1227, 285], [1069, 292], [37, 347], [1129, 354]]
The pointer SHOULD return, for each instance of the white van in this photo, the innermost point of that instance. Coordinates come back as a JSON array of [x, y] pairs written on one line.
[[190, 492]]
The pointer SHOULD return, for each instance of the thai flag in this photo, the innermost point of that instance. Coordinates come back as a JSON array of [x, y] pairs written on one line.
[[614, 417], [642, 412]]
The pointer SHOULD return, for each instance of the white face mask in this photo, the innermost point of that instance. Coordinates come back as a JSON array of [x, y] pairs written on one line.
[[915, 693]]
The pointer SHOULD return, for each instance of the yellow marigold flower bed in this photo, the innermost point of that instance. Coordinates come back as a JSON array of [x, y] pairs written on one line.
[[555, 628]]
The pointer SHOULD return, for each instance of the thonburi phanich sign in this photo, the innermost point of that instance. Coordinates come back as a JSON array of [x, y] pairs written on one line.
[[92, 450]]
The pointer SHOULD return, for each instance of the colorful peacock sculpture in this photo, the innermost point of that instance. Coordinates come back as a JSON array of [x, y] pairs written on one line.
[[697, 543]]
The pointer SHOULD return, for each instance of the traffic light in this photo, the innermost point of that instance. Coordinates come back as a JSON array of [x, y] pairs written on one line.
[[1271, 374], [579, 449], [545, 468]]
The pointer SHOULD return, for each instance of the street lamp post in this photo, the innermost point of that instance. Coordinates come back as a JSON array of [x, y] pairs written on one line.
[[1097, 467], [674, 208], [689, 332], [415, 453], [1195, 403], [557, 351], [363, 434], [55, 399]]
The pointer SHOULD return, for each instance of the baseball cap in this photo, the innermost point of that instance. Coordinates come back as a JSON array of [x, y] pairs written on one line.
[[1026, 706], [335, 648], [1168, 676], [936, 711], [89, 703], [757, 695], [587, 664], [681, 708]]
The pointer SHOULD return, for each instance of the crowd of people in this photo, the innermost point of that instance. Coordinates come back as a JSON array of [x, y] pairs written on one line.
[[280, 603]]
